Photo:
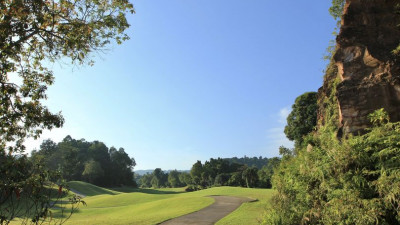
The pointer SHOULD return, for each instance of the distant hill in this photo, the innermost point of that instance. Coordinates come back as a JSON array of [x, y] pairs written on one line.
[[258, 162], [143, 172]]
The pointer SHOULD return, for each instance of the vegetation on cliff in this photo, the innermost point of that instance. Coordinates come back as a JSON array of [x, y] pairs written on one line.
[[338, 178]]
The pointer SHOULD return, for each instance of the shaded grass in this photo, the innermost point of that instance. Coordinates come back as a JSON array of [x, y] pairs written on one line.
[[149, 190]]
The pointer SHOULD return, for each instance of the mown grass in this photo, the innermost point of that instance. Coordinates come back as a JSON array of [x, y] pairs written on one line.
[[153, 206], [248, 213], [90, 189]]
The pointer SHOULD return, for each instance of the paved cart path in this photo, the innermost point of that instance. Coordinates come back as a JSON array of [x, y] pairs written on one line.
[[222, 206]]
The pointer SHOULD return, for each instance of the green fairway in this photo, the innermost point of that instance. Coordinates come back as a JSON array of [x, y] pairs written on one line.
[[152, 206]]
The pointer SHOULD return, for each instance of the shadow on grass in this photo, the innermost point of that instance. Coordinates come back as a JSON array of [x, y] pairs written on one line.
[[57, 214], [145, 190]]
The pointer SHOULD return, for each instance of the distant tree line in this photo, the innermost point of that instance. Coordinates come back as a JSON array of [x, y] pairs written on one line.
[[258, 162], [215, 172], [222, 172], [159, 178], [82, 160]]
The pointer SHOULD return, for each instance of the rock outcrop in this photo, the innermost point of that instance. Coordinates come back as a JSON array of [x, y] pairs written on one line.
[[368, 70]]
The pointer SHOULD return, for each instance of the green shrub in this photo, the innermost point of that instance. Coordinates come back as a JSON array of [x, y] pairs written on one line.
[[352, 181], [193, 187]]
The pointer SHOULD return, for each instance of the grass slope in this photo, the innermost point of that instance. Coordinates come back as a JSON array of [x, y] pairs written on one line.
[[153, 206], [89, 189]]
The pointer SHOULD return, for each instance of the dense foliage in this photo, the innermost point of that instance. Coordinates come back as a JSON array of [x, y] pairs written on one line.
[[37, 191], [352, 181], [31, 33], [34, 31], [215, 172], [221, 172], [92, 162], [303, 117], [258, 162], [159, 178]]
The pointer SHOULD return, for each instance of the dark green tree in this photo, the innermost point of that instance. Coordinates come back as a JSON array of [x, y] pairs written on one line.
[[92, 171], [159, 178], [196, 172], [266, 172], [122, 167], [145, 180], [72, 158], [173, 179], [250, 176], [185, 178], [303, 118]]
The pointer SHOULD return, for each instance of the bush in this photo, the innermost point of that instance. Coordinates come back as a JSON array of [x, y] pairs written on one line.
[[191, 188], [352, 181]]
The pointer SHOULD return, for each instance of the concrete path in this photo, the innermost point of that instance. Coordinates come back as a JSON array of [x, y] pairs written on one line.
[[77, 193], [222, 206]]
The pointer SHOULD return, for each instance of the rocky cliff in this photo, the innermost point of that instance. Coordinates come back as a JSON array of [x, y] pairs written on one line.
[[367, 73]]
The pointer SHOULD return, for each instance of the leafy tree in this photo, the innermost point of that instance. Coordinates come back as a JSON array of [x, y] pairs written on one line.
[[196, 172], [92, 171], [303, 118], [336, 10], [220, 172], [285, 152], [250, 176], [122, 167], [159, 178], [32, 32], [236, 179], [145, 180], [185, 178], [173, 179], [72, 157], [222, 179], [265, 173], [258, 162]]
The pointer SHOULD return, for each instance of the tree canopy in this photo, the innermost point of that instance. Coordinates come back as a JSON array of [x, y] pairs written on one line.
[[34, 33], [92, 162], [303, 117]]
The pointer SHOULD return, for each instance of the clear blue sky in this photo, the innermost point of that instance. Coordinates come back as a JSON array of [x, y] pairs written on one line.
[[197, 79]]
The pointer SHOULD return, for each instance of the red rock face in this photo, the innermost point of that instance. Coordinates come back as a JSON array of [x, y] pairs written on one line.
[[369, 72]]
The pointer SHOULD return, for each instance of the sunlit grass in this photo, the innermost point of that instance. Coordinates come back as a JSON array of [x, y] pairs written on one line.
[[152, 206], [90, 189]]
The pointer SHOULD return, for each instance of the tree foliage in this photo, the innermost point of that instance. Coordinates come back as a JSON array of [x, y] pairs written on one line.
[[336, 10], [32, 33], [159, 178], [352, 181], [93, 161], [303, 117], [258, 162], [227, 172]]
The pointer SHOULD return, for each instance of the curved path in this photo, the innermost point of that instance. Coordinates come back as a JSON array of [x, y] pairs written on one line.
[[222, 206]]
